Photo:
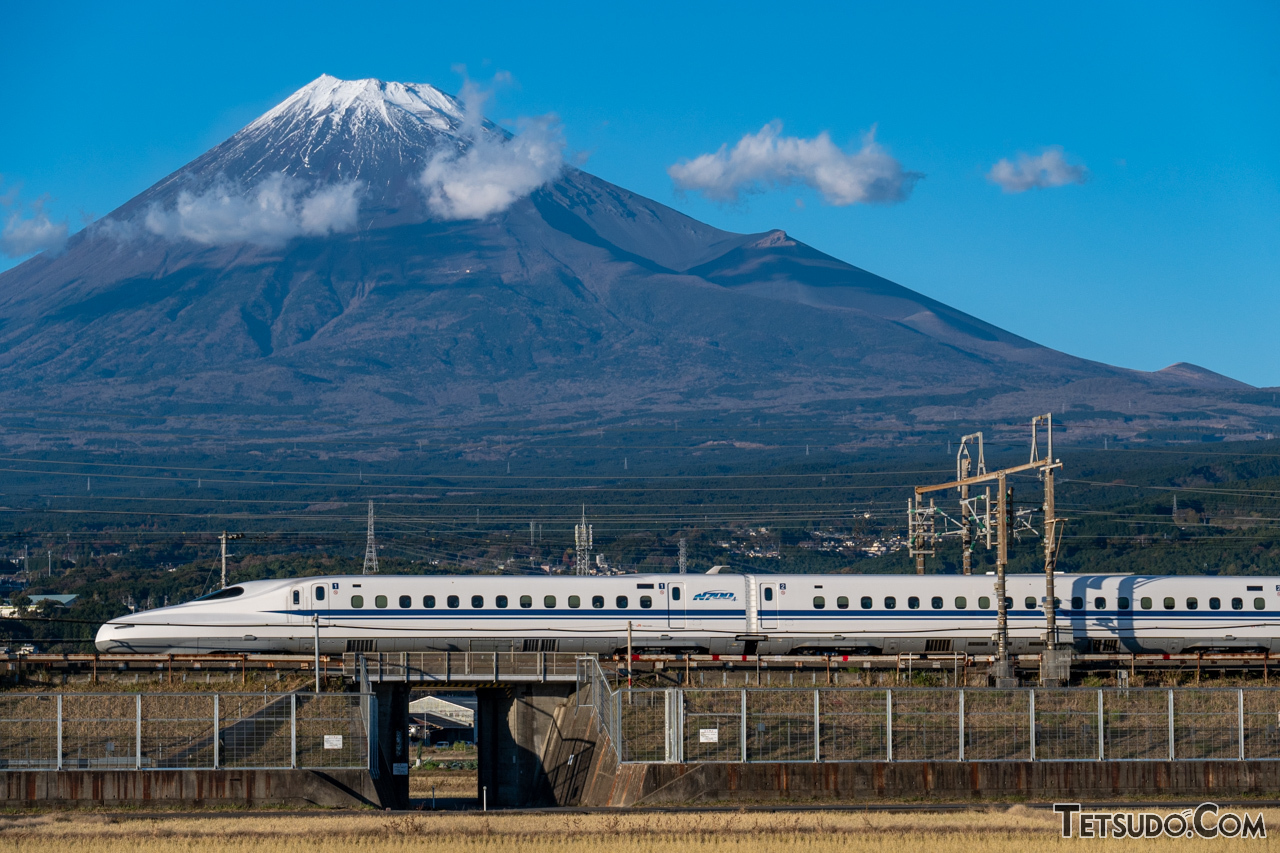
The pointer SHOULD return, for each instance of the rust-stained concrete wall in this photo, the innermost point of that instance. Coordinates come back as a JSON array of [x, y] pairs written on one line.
[[653, 784], [338, 788]]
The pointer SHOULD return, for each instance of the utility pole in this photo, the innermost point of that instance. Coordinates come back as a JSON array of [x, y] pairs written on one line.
[[684, 556], [223, 539], [370, 548], [1055, 662]]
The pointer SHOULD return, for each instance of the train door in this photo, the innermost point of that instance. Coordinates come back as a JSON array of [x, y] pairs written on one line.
[[676, 606], [768, 606], [299, 604]]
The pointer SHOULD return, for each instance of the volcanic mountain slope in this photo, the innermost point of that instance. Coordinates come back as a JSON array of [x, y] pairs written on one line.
[[580, 300]]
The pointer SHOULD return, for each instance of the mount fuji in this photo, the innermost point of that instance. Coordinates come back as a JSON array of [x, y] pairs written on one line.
[[368, 258]]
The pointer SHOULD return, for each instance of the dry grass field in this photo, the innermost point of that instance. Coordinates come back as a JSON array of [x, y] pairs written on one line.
[[1014, 830]]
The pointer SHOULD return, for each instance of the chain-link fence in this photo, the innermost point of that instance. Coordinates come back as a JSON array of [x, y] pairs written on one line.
[[936, 724], [57, 731]]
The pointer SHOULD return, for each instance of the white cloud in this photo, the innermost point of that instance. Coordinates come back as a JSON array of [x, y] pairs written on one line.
[[767, 159], [1047, 169], [26, 232], [270, 214], [490, 172]]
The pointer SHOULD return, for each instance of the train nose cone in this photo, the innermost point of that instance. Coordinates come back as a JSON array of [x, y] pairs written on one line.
[[105, 639]]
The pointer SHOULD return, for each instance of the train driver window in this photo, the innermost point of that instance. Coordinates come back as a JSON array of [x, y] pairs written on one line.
[[984, 603], [548, 601], [526, 601], [621, 602], [961, 602], [501, 601], [890, 602], [866, 602], [1192, 603], [913, 602], [1099, 603], [1169, 603], [936, 602], [597, 601], [380, 601], [1030, 602], [646, 602], [842, 602], [1215, 604], [1077, 602], [1259, 604], [1146, 603], [575, 601], [1237, 604], [357, 601], [477, 601], [452, 601], [428, 601], [297, 596], [819, 602], [1122, 602], [406, 602], [319, 593]]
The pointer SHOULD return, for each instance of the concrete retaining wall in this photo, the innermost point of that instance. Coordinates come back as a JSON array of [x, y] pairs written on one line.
[[337, 788], [1040, 781]]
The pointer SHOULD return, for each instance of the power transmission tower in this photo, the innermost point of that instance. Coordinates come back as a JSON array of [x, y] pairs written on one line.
[[370, 548], [684, 556], [582, 546]]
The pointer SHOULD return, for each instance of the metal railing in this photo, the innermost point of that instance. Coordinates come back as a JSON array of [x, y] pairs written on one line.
[[683, 725], [188, 731], [462, 667]]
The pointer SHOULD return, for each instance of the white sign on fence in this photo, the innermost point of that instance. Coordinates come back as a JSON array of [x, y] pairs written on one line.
[[708, 735], [333, 741]]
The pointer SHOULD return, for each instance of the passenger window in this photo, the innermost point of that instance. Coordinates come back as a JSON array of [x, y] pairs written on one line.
[[1259, 604], [936, 602], [297, 596], [621, 602], [452, 601], [526, 601], [1077, 602], [319, 593], [1237, 604], [819, 602], [1192, 604], [1030, 602], [843, 602], [984, 603], [501, 601], [961, 602], [646, 602], [575, 601], [548, 601], [1008, 603], [913, 602], [1057, 603], [866, 602], [406, 601], [428, 601], [768, 593], [1099, 603], [1215, 604], [1122, 603], [357, 601], [1169, 603], [379, 601], [675, 595], [477, 601], [890, 603], [597, 601], [1146, 603]]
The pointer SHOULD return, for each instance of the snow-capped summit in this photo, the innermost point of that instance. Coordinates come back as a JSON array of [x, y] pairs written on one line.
[[359, 100]]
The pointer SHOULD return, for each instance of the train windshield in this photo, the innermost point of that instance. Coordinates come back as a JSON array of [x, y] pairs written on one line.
[[229, 592]]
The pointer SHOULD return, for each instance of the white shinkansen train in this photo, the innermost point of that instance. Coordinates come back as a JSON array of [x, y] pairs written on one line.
[[712, 613]]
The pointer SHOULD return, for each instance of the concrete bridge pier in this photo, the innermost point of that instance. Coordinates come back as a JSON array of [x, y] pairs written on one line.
[[389, 747]]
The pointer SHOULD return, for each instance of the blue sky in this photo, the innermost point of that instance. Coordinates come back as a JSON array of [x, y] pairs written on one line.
[[1169, 251]]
